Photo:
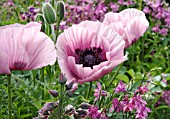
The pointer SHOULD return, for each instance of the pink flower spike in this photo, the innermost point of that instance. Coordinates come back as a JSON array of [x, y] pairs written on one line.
[[133, 21], [25, 47], [88, 51], [99, 92], [121, 87]]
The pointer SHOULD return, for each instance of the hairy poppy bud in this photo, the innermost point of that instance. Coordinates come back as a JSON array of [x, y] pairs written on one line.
[[49, 13]]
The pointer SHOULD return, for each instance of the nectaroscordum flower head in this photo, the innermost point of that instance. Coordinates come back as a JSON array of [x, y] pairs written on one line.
[[24, 47], [129, 23], [88, 51]]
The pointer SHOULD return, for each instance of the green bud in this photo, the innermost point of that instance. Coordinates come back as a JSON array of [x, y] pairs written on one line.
[[40, 18], [60, 9], [49, 13]]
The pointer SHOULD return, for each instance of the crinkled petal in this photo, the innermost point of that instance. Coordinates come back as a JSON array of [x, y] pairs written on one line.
[[4, 65], [26, 47]]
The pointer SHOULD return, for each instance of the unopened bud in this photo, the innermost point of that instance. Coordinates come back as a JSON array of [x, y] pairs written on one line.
[[54, 93], [62, 79], [69, 86], [85, 105], [60, 9], [82, 113], [40, 18], [69, 110], [49, 13]]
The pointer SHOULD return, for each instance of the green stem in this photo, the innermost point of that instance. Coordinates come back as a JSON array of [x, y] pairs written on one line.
[[57, 31], [53, 32], [115, 75], [143, 47], [9, 96], [42, 81], [90, 87]]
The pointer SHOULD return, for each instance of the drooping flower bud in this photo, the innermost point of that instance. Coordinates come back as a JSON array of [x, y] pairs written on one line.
[[85, 105], [69, 85], [69, 110], [62, 79], [49, 13], [82, 113], [60, 9], [54, 93]]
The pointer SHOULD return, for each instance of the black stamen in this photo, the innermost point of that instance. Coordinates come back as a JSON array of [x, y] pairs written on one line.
[[89, 57]]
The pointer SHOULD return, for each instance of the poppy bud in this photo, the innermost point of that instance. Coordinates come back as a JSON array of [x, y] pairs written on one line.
[[69, 86], [60, 9], [49, 13], [85, 105], [40, 18], [62, 79]]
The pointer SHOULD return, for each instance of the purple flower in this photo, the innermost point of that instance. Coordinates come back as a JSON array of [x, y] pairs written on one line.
[[93, 112], [142, 112], [31, 9], [103, 115], [114, 7], [121, 87], [116, 105], [163, 31], [137, 101], [166, 97], [155, 28], [146, 9], [142, 89], [99, 92]]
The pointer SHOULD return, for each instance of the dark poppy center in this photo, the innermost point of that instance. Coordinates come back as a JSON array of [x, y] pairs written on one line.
[[89, 57], [19, 65]]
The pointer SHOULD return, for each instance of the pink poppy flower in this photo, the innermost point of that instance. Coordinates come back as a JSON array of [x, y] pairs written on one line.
[[88, 51], [129, 23], [24, 47]]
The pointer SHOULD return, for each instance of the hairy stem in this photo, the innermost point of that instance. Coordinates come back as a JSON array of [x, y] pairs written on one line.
[[9, 96], [88, 94]]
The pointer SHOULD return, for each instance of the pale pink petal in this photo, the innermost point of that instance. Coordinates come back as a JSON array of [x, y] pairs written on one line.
[[99, 85], [130, 24], [111, 17], [42, 51], [4, 65], [135, 29], [26, 47]]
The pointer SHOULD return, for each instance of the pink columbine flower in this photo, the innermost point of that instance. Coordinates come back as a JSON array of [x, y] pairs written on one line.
[[99, 92], [121, 87], [93, 112], [88, 51], [142, 89], [142, 112], [130, 24], [24, 47], [116, 106]]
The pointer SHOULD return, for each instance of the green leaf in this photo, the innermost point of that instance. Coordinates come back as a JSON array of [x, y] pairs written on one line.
[[156, 89], [138, 76], [123, 77], [26, 115], [162, 107], [157, 78], [131, 72]]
